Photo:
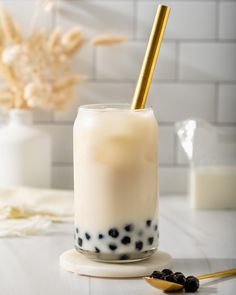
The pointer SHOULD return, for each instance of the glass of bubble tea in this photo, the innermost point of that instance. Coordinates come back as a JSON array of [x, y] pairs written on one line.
[[116, 182]]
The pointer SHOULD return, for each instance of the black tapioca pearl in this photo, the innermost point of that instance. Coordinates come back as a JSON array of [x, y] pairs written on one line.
[[113, 232], [129, 227], [88, 237], [80, 242], [139, 245], [155, 227], [150, 240], [148, 222], [125, 240], [112, 247], [77, 230], [97, 250], [100, 236], [124, 257]]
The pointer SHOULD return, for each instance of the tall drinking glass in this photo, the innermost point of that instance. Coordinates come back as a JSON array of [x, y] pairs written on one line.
[[116, 182]]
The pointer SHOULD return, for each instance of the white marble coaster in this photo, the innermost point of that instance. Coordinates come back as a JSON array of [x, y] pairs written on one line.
[[75, 262]]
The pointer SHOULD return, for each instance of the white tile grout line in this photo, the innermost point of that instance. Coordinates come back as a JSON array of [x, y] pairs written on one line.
[[163, 165], [94, 58], [217, 21], [159, 81], [177, 60], [201, 1], [135, 19], [216, 102], [188, 40], [175, 147], [69, 123]]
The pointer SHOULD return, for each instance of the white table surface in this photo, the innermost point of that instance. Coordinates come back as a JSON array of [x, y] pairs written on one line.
[[199, 241]]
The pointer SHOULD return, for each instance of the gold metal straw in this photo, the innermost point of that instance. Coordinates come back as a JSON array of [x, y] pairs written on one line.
[[150, 58]]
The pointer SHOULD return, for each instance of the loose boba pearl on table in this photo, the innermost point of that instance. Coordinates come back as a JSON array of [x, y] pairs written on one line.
[[113, 247], [113, 232], [100, 236], [139, 245], [125, 240], [129, 227], [155, 227], [80, 242], [148, 222], [88, 237], [150, 240]]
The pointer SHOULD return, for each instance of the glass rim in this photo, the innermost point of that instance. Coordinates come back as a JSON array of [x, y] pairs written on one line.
[[106, 107]]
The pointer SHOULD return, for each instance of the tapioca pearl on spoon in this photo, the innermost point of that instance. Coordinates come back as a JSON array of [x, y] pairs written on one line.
[[191, 284], [180, 278], [167, 271], [87, 235], [100, 236]]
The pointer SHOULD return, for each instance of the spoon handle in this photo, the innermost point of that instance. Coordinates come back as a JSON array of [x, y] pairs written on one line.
[[218, 274]]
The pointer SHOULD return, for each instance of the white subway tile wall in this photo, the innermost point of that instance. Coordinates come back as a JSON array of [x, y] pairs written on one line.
[[227, 104], [227, 20], [123, 62], [195, 74]]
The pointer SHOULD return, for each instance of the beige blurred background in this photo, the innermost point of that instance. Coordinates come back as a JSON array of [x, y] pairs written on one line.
[[195, 75]]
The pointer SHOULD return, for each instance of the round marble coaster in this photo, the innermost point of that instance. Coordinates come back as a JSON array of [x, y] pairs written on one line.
[[75, 262]]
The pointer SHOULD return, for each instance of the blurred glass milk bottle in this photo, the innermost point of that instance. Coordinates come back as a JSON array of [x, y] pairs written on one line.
[[25, 152], [212, 155]]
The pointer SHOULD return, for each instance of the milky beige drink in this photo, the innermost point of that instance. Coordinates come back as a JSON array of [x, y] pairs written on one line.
[[115, 179]]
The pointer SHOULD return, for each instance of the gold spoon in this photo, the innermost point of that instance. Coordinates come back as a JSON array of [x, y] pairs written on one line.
[[172, 287]]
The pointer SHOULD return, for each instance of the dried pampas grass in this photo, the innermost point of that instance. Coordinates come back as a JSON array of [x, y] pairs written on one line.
[[9, 27], [36, 68], [107, 40]]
